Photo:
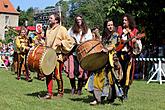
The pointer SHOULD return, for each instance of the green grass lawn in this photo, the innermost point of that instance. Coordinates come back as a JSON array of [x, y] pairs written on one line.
[[22, 95]]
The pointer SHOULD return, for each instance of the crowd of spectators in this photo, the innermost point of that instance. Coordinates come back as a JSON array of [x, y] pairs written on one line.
[[6, 54]]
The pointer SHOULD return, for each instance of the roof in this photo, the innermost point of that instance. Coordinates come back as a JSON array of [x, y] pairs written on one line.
[[7, 7]]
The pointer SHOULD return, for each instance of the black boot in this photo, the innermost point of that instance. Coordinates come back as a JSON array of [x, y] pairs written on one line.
[[126, 92], [80, 84], [112, 94], [73, 85], [60, 87]]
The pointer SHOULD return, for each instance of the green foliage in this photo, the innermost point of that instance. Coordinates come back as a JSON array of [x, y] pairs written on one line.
[[26, 15], [48, 7], [163, 9], [9, 36], [149, 14], [23, 16], [64, 8], [30, 18]]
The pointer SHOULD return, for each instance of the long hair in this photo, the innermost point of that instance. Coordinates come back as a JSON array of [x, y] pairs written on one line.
[[106, 33], [23, 28], [76, 28], [131, 21]]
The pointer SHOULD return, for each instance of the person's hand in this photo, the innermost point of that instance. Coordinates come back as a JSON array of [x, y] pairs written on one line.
[[134, 40], [104, 50], [111, 47], [32, 48], [30, 45]]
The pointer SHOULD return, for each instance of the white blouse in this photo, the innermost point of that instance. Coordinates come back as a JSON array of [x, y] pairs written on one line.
[[77, 37]]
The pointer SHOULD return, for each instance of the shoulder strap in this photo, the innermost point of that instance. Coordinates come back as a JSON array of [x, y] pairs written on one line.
[[58, 28], [81, 38]]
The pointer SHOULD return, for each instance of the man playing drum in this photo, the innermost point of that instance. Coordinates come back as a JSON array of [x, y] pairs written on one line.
[[39, 40], [58, 39]]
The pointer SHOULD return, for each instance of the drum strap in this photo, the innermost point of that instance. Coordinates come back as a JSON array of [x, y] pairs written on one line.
[[93, 47], [58, 28], [81, 38]]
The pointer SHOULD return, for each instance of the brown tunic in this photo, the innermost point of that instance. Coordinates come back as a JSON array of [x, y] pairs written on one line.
[[59, 34]]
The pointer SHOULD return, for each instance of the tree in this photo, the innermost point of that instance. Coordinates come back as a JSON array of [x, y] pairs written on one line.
[[30, 16], [149, 14], [63, 7], [26, 15], [22, 18]]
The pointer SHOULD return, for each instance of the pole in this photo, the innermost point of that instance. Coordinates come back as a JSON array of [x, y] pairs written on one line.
[[59, 9]]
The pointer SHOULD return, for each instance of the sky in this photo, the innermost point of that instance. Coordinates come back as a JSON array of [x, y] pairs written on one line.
[[25, 4]]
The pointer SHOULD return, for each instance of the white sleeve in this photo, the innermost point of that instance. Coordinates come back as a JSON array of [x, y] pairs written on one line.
[[137, 47], [88, 35], [69, 32]]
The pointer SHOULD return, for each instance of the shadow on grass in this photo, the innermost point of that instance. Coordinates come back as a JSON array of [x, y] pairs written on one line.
[[87, 99], [43, 93], [116, 104], [41, 79], [67, 91], [37, 94], [22, 78]]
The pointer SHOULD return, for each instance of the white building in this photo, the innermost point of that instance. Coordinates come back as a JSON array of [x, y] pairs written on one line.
[[8, 16]]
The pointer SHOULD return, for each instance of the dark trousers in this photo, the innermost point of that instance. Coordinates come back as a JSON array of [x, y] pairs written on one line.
[[22, 63]]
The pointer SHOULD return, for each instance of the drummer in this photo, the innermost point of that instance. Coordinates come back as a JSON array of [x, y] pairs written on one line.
[[23, 46], [58, 39], [39, 40], [104, 80], [81, 33]]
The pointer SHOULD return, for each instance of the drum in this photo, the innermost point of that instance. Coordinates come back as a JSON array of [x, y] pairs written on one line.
[[42, 59], [90, 55]]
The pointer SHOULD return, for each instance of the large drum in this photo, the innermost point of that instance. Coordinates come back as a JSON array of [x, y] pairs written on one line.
[[90, 55], [42, 60]]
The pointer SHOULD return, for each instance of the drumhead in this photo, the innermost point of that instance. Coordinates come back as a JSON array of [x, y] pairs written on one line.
[[94, 61], [48, 61]]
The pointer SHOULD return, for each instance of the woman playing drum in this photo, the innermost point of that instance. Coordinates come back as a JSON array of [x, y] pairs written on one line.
[[106, 77], [81, 33]]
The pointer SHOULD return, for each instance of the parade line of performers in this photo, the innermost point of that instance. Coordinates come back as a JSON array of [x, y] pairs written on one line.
[[105, 65]]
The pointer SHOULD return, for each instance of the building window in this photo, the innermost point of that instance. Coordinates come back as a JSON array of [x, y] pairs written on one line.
[[6, 6], [6, 19]]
